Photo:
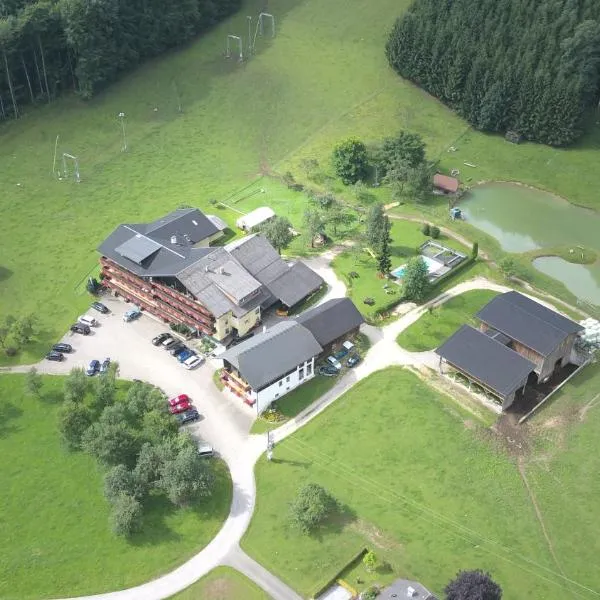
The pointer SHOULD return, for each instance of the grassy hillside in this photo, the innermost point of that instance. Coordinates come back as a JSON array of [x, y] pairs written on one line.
[[322, 78], [422, 485], [54, 518]]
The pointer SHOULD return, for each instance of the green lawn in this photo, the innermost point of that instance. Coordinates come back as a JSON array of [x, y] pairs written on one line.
[[323, 77], [222, 583], [438, 324], [421, 483], [54, 518]]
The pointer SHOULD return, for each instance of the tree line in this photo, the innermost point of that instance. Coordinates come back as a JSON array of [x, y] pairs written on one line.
[[49, 46], [529, 67]]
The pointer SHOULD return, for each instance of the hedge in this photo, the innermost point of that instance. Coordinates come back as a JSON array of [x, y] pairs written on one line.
[[331, 580]]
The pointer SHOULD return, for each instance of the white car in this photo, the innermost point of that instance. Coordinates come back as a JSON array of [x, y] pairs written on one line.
[[87, 320], [192, 362], [334, 362]]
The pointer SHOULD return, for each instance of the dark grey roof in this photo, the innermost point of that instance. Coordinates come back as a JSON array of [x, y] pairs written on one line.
[[138, 248], [290, 284], [528, 322], [400, 589], [331, 320], [267, 356], [483, 358], [295, 284], [185, 223]]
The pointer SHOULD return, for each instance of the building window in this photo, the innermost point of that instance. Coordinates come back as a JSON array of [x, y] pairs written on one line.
[[227, 330], [301, 374], [280, 383], [287, 379], [308, 369], [276, 395], [257, 311]]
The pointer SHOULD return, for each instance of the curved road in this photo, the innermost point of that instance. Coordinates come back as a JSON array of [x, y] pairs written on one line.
[[241, 457]]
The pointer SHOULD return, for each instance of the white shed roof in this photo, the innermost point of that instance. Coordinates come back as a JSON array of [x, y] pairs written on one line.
[[256, 217]]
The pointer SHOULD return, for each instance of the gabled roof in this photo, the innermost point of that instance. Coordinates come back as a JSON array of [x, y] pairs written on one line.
[[528, 322], [268, 356], [405, 588], [331, 320], [186, 223], [499, 368], [254, 218], [289, 284], [446, 183]]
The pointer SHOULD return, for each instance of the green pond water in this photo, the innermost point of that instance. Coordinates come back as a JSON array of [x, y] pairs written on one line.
[[522, 219]]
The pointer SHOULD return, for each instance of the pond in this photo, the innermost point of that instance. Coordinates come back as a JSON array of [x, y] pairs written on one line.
[[523, 218]]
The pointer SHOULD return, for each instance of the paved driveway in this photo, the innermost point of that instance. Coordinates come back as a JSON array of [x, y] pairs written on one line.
[[226, 421]]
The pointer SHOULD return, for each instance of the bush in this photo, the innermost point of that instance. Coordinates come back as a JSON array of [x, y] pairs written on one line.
[[370, 594], [370, 560], [10, 351], [126, 517], [475, 250], [312, 505], [426, 229], [434, 232]]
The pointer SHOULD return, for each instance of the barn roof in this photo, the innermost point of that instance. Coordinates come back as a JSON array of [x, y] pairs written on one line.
[[445, 182], [528, 322], [499, 368]]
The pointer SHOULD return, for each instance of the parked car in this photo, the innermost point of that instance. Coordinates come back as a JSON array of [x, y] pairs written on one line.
[[339, 355], [180, 407], [87, 320], [353, 360], [205, 450], [93, 368], [102, 308], [334, 362], [104, 366], [62, 347], [189, 415], [132, 314], [160, 338], [178, 399], [177, 348], [80, 328], [183, 356], [193, 361], [169, 343], [328, 371], [53, 355]]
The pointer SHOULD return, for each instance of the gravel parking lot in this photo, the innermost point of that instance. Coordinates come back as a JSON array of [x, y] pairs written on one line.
[[225, 421]]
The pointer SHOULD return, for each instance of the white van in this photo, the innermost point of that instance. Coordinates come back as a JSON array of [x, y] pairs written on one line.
[[87, 320]]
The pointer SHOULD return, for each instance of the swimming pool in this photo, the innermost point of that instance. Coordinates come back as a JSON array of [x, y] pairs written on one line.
[[433, 266]]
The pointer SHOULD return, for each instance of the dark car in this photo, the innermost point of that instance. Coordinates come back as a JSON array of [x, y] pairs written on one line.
[[353, 360], [186, 417], [105, 365], [100, 307], [178, 348], [160, 338], [53, 355], [93, 368], [62, 347], [81, 328], [328, 371]]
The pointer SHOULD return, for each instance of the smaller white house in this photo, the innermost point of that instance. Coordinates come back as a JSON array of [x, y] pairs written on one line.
[[270, 364], [256, 217]]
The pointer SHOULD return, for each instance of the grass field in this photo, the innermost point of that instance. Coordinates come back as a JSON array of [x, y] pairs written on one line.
[[322, 78], [54, 518], [438, 324], [223, 583], [422, 484]]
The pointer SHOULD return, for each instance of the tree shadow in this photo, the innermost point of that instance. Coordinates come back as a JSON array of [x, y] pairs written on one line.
[[335, 523], [52, 396], [5, 273], [9, 412], [291, 463], [154, 529]]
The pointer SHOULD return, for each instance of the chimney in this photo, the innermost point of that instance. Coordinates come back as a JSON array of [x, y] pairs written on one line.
[[221, 270], [173, 239], [411, 592], [206, 269]]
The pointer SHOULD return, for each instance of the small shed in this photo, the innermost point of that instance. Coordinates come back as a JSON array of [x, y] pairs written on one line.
[[445, 183], [255, 218]]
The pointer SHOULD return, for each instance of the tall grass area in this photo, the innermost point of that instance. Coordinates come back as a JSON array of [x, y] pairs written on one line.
[[54, 518], [322, 78], [420, 483]]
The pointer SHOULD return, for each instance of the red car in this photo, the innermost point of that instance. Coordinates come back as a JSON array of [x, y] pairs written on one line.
[[181, 407], [179, 399]]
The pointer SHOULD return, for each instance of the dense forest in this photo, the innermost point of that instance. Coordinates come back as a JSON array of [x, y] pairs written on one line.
[[47, 46], [531, 67]]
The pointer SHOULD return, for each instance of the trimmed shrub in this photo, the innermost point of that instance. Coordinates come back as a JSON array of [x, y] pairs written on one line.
[[426, 229], [434, 232]]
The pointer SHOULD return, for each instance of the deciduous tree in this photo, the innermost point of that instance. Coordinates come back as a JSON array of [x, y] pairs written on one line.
[[473, 585], [126, 516], [312, 505], [415, 279], [350, 160], [33, 382], [278, 232], [314, 224], [73, 421], [76, 385]]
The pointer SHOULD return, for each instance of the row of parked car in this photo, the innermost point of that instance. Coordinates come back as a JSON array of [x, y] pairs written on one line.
[[96, 367], [188, 358], [83, 326], [333, 365], [181, 406]]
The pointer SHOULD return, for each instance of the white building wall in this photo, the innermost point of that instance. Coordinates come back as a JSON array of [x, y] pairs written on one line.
[[284, 385]]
